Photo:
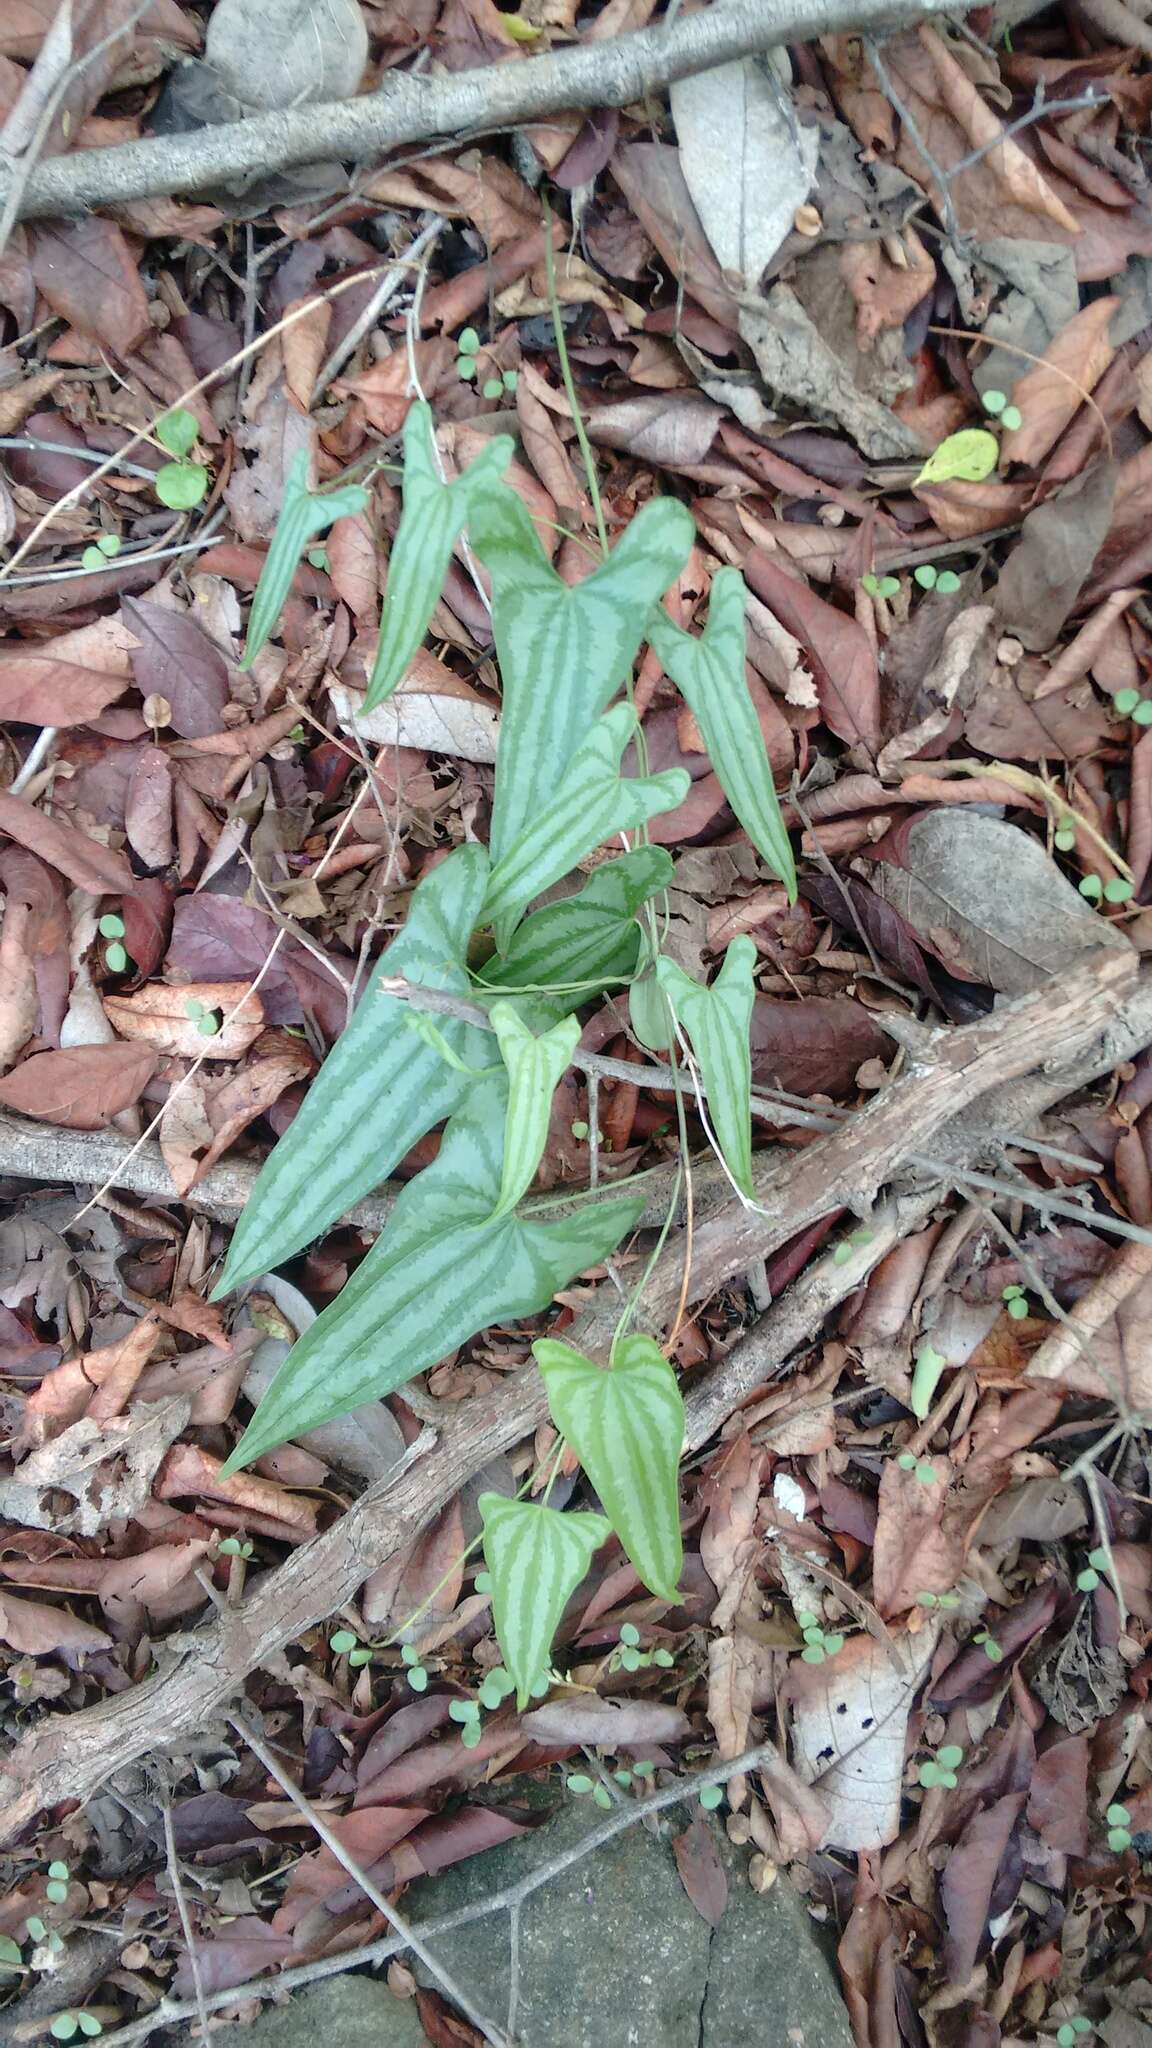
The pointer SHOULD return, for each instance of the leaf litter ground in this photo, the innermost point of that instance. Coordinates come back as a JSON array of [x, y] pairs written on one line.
[[915, 1503]]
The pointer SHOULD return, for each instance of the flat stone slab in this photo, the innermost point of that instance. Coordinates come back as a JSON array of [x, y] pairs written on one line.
[[339, 2012]]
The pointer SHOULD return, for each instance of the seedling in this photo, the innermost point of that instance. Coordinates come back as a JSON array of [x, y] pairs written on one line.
[[101, 552], [944, 1600], [990, 1647], [180, 484], [1073, 2030], [923, 1468], [996, 403], [206, 1020], [1119, 1832], [317, 558], [467, 365], [930, 578], [1130, 704], [818, 1646], [345, 1644], [580, 1783], [1089, 1578], [628, 1656], [467, 1713], [67, 2025], [495, 387], [112, 928], [1117, 890], [56, 1888], [233, 1547], [711, 1796], [847, 1245], [496, 1688], [881, 586], [942, 1768], [1066, 835], [1015, 1301], [930, 1364], [44, 1937]]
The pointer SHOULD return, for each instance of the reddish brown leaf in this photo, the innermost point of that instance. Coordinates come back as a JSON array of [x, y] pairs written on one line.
[[189, 1470], [1049, 395], [701, 1872], [35, 1629], [651, 179], [83, 859], [1058, 1795], [36, 689], [177, 661], [967, 1881], [813, 1047], [842, 657], [168, 1016], [85, 270], [148, 808], [82, 1089]]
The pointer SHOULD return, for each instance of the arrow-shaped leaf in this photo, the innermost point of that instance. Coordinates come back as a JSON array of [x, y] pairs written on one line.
[[431, 523], [625, 1423], [709, 672], [579, 946], [718, 1021], [303, 514], [534, 1065], [442, 1269], [564, 649], [536, 1558], [380, 1087], [593, 802]]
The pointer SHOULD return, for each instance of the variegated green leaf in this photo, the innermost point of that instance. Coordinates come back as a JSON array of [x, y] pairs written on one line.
[[592, 801], [432, 521], [379, 1089], [564, 649], [534, 1065], [625, 1423], [718, 1021], [585, 942], [536, 1558], [710, 673], [442, 1269], [303, 514]]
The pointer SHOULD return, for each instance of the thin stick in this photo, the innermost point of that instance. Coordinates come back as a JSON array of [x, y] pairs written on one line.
[[411, 1938], [186, 1923], [384, 293]]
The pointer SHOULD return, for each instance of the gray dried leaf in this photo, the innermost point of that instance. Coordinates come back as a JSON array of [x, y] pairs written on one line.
[[606, 1724], [107, 1468], [746, 161], [797, 362]]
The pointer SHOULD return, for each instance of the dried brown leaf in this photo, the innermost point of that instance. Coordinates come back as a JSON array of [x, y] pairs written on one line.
[[85, 270], [40, 689], [82, 1089], [1049, 394], [167, 1016], [77, 855]]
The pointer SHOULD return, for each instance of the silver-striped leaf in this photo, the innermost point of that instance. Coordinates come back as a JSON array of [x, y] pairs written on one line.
[[536, 1558], [575, 948], [442, 1269], [303, 514], [534, 1066], [591, 802], [718, 1021], [564, 649], [625, 1422], [431, 523], [380, 1088], [709, 672]]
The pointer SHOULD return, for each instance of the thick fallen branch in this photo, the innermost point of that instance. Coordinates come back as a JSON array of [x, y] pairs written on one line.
[[408, 109], [974, 1082]]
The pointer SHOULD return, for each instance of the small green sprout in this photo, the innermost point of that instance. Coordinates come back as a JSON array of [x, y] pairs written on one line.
[[467, 1712], [67, 2025], [930, 578], [496, 1688], [996, 403], [1119, 1831], [1015, 1301], [56, 1888], [941, 1600], [345, 1644], [711, 1796], [818, 1646], [1130, 704], [206, 1020], [1073, 2030], [990, 1647], [848, 1245], [101, 552], [628, 1656], [233, 1547], [881, 586], [923, 1468], [495, 387], [942, 1768], [417, 1675], [581, 1784], [317, 558], [1088, 1580], [112, 928], [179, 484], [469, 347]]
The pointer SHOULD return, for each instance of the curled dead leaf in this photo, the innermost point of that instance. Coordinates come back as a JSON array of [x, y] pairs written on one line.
[[172, 1018]]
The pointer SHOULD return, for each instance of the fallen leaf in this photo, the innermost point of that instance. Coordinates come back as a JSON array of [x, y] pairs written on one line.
[[85, 271], [842, 656], [41, 689], [463, 727], [80, 857], [849, 1732], [944, 872], [148, 808], [189, 1470], [84, 1088], [1049, 394], [177, 661], [1058, 1796], [967, 1879], [650, 176], [36, 1630], [814, 1047], [168, 1017], [915, 1550], [615, 1725], [19, 1006], [746, 162], [701, 1872], [107, 1468]]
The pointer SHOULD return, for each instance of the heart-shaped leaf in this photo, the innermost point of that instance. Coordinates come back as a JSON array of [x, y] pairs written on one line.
[[564, 649], [593, 801], [380, 1087], [443, 1268], [433, 520], [579, 946], [536, 1558], [303, 514], [718, 1021], [534, 1065], [709, 671], [625, 1423]]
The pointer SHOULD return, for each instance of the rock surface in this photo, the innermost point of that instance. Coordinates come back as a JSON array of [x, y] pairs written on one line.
[[339, 2012]]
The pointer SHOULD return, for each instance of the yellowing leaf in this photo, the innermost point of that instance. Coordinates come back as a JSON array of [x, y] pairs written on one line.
[[967, 457]]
